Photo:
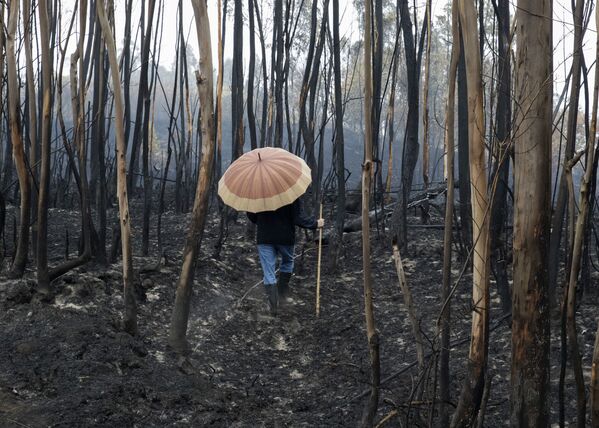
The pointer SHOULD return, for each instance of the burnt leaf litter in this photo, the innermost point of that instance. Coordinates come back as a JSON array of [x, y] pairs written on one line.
[[67, 363]]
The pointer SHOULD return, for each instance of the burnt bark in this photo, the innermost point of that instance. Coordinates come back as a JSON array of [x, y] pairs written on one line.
[[178, 328], [532, 193]]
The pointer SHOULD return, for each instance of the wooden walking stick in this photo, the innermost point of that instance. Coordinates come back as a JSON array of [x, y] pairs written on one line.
[[318, 266]]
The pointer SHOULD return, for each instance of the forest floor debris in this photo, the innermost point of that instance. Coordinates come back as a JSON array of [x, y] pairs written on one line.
[[66, 363]]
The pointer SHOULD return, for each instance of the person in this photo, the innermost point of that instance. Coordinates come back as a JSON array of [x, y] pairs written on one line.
[[276, 237]]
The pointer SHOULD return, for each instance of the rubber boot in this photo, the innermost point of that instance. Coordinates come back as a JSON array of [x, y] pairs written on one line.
[[283, 285], [273, 298]]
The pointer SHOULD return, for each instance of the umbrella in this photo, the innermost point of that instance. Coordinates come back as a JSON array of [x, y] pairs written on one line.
[[263, 180]]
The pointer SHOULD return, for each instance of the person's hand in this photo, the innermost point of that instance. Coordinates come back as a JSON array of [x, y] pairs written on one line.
[[320, 223]]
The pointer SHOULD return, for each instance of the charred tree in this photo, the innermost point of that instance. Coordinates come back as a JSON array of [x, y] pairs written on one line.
[[532, 203], [339, 144], [377, 89], [18, 152], [594, 385], [98, 142], [43, 276], [178, 328], [425, 108], [264, 120], [306, 128], [444, 324], [580, 233], [31, 122], [399, 223], [465, 207], [501, 163], [472, 391], [559, 211], [370, 410], [237, 128], [130, 313], [251, 74]]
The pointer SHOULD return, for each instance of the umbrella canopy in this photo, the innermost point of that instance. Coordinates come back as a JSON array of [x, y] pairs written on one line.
[[264, 180]]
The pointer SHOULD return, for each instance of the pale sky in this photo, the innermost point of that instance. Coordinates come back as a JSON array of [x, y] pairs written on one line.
[[562, 15]]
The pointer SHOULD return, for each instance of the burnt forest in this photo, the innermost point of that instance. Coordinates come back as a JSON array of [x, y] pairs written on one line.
[[299, 213]]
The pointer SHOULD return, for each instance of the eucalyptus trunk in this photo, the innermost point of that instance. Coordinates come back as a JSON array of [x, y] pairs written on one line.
[[472, 391], [18, 152], [130, 313], [367, 170], [339, 143], [444, 324], [532, 207], [502, 150], [204, 79], [43, 277]]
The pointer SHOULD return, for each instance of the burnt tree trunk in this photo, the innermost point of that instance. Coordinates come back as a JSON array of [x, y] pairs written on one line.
[[264, 120], [399, 223], [251, 74], [178, 328], [43, 278], [444, 324], [18, 153], [471, 395], [532, 203], [339, 144], [465, 208], [31, 122], [501, 163], [130, 312], [370, 409], [562, 192]]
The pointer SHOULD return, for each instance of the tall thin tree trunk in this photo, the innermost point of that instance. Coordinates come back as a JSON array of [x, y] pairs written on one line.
[[126, 70], [465, 207], [425, 109], [237, 128], [367, 170], [6, 158], [470, 398], [43, 278], [251, 74], [594, 385], [99, 140], [78, 91], [411, 145], [20, 260], [445, 326], [304, 88], [130, 314], [219, 89], [377, 85], [278, 73], [264, 120], [390, 125], [562, 193], [31, 122], [502, 148], [339, 142], [204, 79], [580, 233], [532, 193], [140, 134]]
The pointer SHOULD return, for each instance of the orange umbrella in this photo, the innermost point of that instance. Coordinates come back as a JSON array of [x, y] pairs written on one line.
[[264, 180]]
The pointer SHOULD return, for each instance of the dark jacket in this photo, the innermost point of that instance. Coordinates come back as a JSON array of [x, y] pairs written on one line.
[[278, 227]]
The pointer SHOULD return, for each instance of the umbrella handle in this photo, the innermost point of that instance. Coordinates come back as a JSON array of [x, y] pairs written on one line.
[[318, 267]]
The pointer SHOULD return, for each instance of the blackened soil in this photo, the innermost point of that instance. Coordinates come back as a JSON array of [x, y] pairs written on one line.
[[66, 362]]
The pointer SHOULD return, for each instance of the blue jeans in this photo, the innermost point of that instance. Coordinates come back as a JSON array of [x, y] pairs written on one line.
[[268, 259]]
